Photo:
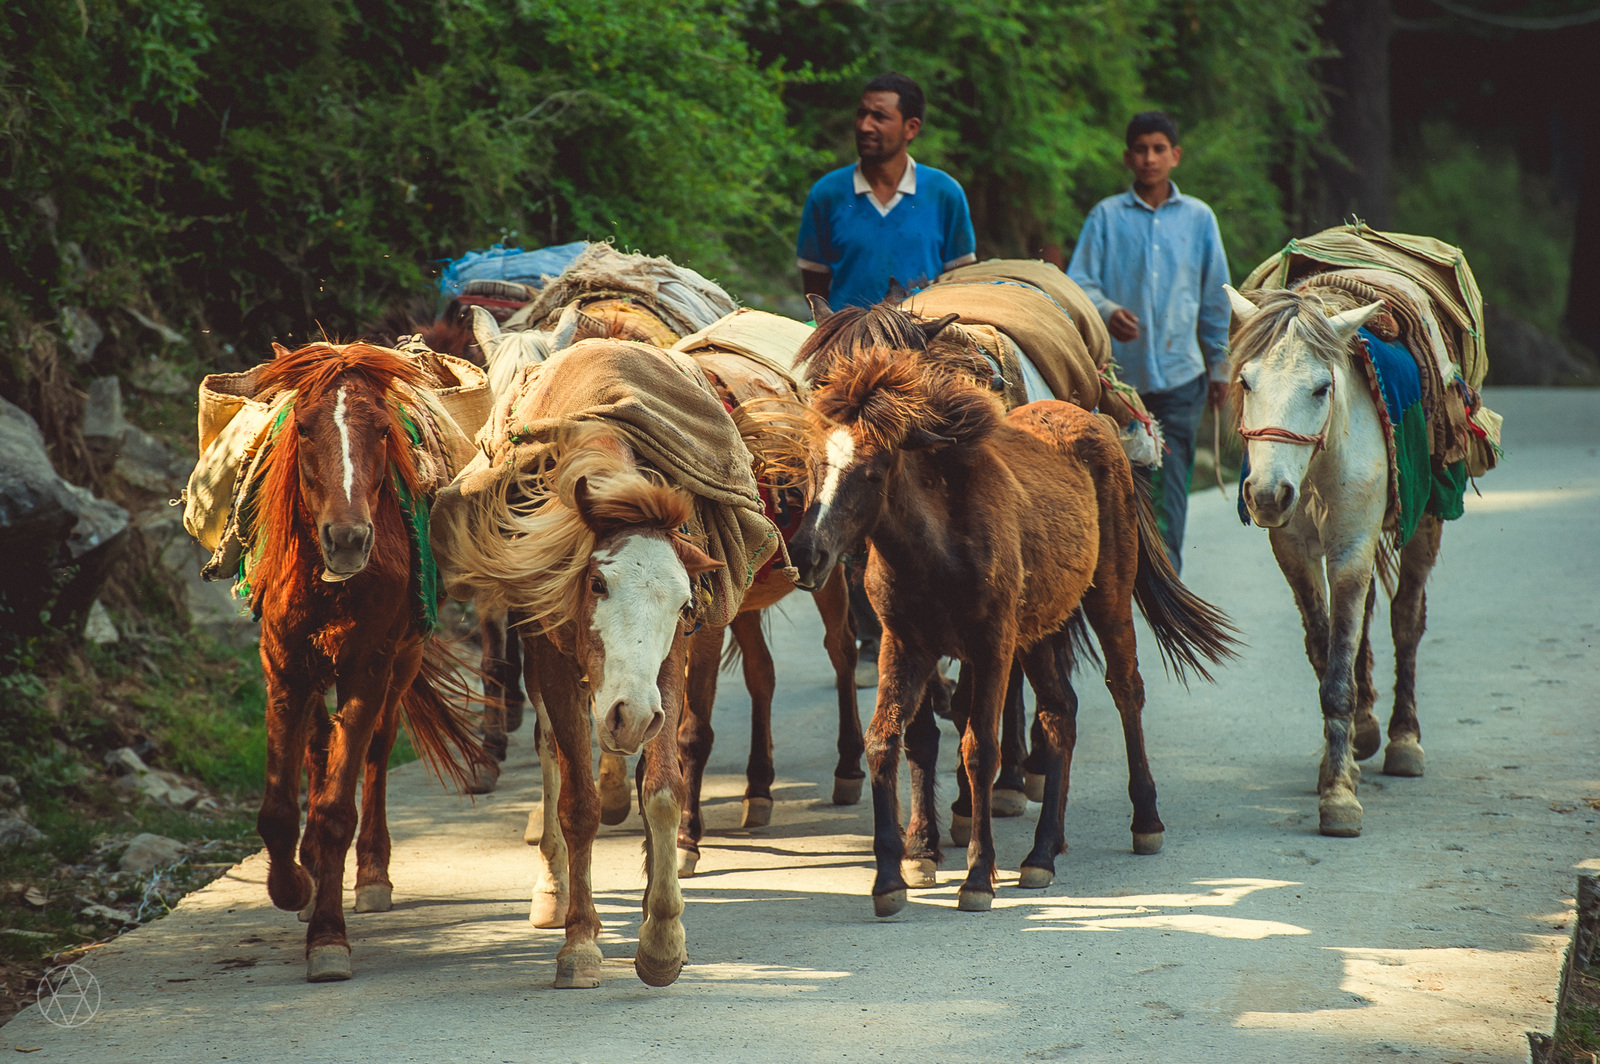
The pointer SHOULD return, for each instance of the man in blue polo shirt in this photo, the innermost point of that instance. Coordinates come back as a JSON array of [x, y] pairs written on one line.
[[1151, 261], [885, 217]]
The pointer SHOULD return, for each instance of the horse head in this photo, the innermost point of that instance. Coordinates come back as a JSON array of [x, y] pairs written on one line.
[[874, 409], [1291, 382], [347, 442]]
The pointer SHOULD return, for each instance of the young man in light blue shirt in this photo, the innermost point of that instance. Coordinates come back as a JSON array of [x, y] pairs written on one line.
[[883, 219], [1151, 260]]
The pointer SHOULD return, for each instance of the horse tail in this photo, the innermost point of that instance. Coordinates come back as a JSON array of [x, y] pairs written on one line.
[[1080, 642], [1187, 627], [438, 719]]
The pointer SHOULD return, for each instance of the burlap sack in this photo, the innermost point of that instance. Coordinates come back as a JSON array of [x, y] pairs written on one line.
[[1057, 285]]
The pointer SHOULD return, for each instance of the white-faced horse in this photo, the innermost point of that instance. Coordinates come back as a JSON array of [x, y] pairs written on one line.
[[1319, 482]]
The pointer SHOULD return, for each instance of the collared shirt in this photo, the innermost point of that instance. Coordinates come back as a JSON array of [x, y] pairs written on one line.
[[1167, 267], [844, 231]]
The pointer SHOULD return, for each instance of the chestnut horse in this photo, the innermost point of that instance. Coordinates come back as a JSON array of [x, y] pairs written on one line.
[[588, 549], [987, 532], [338, 587]]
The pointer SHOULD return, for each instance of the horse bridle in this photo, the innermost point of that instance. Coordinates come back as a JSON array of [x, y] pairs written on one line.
[[1274, 434]]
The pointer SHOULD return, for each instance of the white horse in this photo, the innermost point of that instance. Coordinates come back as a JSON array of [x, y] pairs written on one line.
[[1319, 481]]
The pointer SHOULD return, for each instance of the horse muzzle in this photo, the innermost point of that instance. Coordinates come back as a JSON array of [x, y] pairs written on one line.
[[345, 549], [629, 723], [1270, 504]]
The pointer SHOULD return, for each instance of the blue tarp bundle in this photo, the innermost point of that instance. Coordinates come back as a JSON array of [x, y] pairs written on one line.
[[501, 263]]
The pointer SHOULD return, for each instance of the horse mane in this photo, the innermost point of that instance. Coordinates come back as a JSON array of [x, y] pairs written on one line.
[[852, 332], [311, 372], [888, 394], [523, 545], [1282, 314], [448, 334]]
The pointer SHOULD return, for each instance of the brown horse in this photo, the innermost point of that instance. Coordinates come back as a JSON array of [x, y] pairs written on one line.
[[588, 549], [338, 588], [987, 532]]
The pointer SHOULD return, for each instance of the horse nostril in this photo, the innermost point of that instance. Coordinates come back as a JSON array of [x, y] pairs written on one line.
[[614, 718], [656, 721], [1284, 496]]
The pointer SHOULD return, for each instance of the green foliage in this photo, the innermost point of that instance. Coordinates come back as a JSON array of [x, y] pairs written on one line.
[[1518, 241]]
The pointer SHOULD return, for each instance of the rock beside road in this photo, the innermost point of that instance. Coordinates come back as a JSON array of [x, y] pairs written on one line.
[[148, 852], [136, 779], [15, 831]]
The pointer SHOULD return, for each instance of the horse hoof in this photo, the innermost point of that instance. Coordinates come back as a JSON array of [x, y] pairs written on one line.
[[311, 903], [374, 898], [548, 910], [1403, 758], [533, 832], [484, 778], [687, 859], [1368, 738], [495, 745], [578, 970], [654, 973], [328, 964], [298, 895], [919, 872], [888, 904], [960, 829], [1008, 803], [757, 813], [1148, 842], [1033, 786], [1339, 814], [846, 792], [514, 713], [974, 901], [1036, 878]]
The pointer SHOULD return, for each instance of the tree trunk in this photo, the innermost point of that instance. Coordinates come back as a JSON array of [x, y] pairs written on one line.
[[1583, 291], [1357, 83]]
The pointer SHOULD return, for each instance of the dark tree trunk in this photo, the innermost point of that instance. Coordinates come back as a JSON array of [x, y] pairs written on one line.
[[1357, 83], [1583, 291]]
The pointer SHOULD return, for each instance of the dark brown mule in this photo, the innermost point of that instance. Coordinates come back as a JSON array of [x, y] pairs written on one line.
[[986, 533], [337, 591]]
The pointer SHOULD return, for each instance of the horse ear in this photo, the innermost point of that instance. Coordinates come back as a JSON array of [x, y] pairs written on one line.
[[897, 292], [1345, 325], [575, 325], [1243, 309], [583, 502], [279, 351], [695, 560], [820, 311], [922, 440], [930, 329], [485, 330]]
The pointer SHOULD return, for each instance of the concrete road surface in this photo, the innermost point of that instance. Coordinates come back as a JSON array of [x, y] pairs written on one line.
[[1435, 936]]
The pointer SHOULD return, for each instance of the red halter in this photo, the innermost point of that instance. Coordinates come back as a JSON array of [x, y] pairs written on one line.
[[1273, 434]]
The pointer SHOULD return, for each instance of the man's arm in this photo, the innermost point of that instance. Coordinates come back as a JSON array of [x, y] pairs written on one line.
[[1215, 313], [1087, 269], [960, 244]]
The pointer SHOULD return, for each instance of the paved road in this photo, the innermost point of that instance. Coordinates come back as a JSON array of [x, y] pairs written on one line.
[[1435, 936]]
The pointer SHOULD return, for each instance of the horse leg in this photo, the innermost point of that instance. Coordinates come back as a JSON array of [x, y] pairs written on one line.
[[331, 823], [1408, 616], [616, 798], [1367, 735], [922, 843], [695, 738], [492, 633], [1010, 787], [1298, 551], [961, 808], [319, 733], [760, 679], [566, 709], [374, 888], [662, 947], [552, 889], [291, 710], [1350, 576], [839, 638], [1036, 764], [980, 757], [512, 682], [904, 672], [1109, 608], [1049, 669]]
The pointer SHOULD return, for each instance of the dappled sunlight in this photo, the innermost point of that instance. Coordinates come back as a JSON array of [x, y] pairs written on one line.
[[1465, 999], [726, 972], [1194, 923], [1499, 501]]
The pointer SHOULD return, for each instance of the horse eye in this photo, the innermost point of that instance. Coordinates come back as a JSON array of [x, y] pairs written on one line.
[[1244, 385], [597, 584], [1322, 391]]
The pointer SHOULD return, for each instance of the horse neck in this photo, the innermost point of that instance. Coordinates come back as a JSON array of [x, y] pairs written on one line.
[[914, 525]]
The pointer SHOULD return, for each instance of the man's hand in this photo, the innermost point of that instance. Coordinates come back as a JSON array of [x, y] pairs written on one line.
[[1123, 325], [1217, 394]]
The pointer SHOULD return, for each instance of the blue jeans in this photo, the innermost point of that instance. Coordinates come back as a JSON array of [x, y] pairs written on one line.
[[1179, 411]]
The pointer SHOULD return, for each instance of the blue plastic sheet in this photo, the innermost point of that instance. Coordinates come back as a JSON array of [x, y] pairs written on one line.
[[500, 263]]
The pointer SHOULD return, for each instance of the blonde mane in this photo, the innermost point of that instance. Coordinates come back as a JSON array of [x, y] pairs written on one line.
[[522, 545]]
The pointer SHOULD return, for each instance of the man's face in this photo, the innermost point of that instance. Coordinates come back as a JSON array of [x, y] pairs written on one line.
[[881, 132], [1151, 159]]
